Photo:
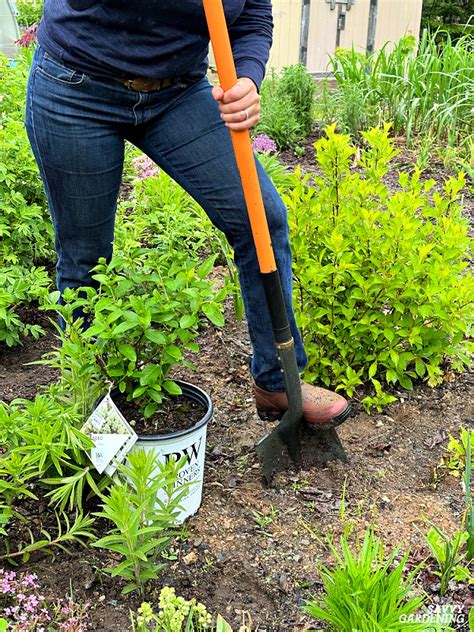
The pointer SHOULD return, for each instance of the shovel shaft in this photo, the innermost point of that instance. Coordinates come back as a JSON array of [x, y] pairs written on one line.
[[241, 140]]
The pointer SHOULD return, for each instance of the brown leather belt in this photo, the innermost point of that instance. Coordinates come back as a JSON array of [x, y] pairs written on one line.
[[142, 84]]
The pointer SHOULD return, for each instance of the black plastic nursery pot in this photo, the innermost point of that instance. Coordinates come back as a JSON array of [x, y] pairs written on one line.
[[189, 442]]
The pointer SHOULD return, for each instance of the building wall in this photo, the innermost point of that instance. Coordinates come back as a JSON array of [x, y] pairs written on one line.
[[395, 18], [286, 34]]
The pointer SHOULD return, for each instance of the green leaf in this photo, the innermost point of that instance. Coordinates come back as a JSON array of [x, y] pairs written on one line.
[[214, 313], [128, 352], [373, 369], [420, 367], [206, 267], [222, 625], [172, 388], [156, 336], [122, 328], [187, 321]]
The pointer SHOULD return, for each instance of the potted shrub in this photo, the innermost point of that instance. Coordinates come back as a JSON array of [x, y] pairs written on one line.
[[141, 318]]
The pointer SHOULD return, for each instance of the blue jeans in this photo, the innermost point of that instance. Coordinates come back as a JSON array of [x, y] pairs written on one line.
[[77, 126]]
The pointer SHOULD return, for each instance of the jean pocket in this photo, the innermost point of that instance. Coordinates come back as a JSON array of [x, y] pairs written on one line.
[[57, 71]]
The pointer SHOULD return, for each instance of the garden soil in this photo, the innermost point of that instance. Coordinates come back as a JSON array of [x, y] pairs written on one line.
[[256, 549]]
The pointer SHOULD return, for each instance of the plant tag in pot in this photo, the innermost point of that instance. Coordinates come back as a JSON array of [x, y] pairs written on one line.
[[112, 435]]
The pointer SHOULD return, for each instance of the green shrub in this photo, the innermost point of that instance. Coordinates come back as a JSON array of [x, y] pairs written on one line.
[[300, 87], [29, 11], [287, 106], [366, 591], [144, 314], [26, 234], [20, 287], [382, 289], [160, 214]]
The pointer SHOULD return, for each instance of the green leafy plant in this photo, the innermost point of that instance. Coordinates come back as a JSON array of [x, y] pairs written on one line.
[[80, 381], [29, 11], [25, 228], [287, 106], [78, 532], [455, 456], [143, 506], [40, 441], [381, 290], [366, 591], [263, 520], [19, 288], [424, 88], [145, 312], [160, 214], [300, 87], [449, 556]]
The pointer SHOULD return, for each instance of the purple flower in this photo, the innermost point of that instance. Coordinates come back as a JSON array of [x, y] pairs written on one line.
[[144, 167], [262, 143]]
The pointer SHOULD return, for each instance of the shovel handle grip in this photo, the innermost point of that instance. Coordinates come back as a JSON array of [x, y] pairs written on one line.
[[241, 140]]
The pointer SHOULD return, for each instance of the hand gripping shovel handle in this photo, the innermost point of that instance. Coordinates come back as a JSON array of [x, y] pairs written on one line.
[[288, 429]]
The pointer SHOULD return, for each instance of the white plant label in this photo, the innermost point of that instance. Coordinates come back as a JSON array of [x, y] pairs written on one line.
[[112, 435]]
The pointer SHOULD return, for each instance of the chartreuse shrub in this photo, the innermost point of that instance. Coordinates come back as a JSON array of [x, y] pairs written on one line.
[[382, 288], [367, 590]]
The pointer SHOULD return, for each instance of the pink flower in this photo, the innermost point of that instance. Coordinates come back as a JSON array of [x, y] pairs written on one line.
[[144, 167], [28, 37], [263, 143]]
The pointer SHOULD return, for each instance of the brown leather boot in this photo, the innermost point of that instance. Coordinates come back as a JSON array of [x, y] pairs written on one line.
[[320, 406]]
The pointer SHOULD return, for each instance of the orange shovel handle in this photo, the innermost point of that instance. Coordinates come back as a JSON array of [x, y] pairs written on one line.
[[241, 140]]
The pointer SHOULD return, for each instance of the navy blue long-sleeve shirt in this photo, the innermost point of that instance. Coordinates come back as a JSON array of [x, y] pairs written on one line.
[[157, 39]]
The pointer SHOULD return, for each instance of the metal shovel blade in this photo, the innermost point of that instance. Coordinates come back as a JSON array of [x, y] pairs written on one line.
[[307, 448], [279, 448]]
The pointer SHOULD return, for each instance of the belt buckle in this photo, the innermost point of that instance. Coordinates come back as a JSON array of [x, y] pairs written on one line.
[[140, 84]]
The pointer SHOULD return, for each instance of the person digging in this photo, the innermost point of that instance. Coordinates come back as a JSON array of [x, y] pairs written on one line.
[[105, 72]]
